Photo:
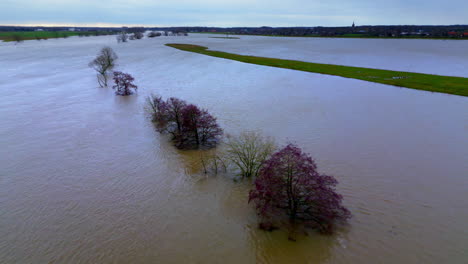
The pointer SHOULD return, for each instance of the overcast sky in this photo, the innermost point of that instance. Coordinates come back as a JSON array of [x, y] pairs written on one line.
[[231, 13]]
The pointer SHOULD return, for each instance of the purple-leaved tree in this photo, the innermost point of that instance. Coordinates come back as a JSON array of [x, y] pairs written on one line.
[[289, 185], [123, 83], [199, 125], [189, 125], [190, 122]]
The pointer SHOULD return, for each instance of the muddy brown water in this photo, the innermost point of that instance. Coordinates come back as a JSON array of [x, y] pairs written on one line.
[[85, 178]]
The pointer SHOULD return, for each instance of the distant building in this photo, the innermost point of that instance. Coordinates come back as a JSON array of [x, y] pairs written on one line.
[[39, 29], [71, 29]]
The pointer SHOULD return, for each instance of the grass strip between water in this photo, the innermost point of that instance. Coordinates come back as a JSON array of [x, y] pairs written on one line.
[[419, 81]]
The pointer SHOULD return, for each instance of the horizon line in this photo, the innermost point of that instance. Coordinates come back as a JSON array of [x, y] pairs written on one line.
[[112, 25]]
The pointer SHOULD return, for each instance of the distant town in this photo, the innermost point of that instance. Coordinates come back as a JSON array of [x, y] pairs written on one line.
[[352, 31]]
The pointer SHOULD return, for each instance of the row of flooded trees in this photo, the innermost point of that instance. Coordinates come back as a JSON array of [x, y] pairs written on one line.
[[103, 64], [288, 189], [124, 37]]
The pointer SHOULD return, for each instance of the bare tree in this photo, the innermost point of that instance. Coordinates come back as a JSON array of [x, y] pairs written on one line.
[[122, 37], [104, 62], [248, 151]]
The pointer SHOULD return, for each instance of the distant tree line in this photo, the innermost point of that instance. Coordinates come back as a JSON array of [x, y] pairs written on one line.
[[455, 31], [449, 31]]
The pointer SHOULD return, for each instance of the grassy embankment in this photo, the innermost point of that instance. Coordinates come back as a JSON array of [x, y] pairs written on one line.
[[420, 81], [29, 35]]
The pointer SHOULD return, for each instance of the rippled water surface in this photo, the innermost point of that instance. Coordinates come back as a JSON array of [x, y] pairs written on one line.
[[84, 178]]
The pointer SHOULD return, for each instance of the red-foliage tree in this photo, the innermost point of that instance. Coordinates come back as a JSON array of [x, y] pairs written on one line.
[[208, 128], [189, 126], [123, 83], [199, 125], [289, 185], [190, 121]]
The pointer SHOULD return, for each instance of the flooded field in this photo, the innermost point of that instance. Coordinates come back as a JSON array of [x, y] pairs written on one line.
[[85, 178]]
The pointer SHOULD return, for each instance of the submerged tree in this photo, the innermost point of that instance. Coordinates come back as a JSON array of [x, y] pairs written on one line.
[[159, 112], [122, 37], [248, 151], [138, 35], [190, 122], [198, 125], [153, 34], [189, 125], [289, 185], [103, 63], [123, 83], [175, 106]]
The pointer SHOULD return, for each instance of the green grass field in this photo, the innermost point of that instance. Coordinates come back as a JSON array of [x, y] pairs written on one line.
[[419, 81], [29, 35]]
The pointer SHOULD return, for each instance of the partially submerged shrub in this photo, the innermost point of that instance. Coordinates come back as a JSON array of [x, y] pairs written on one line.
[[103, 63], [123, 83], [289, 185], [213, 163], [189, 125]]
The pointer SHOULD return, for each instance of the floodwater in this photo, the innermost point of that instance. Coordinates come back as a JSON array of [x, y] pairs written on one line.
[[85, 178]]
